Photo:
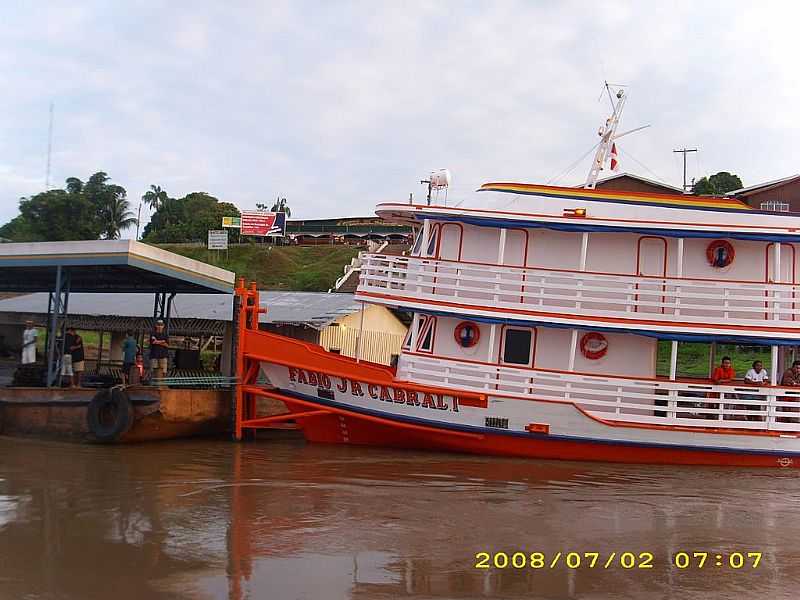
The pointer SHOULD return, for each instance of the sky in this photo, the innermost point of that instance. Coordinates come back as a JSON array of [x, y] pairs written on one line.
[[338, 106]]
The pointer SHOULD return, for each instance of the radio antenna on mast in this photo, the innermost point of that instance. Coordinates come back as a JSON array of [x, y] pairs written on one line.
[[608, 133], [49, 150]]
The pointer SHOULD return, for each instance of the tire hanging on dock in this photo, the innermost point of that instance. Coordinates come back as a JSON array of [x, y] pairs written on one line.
[[110, 414]]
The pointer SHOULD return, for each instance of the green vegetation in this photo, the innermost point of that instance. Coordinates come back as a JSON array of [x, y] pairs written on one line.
[[297, 268], [187, 219], [693, 358], [718, 184], [83, 211]]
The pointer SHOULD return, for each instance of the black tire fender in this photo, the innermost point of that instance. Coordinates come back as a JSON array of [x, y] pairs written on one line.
[[110, 414]]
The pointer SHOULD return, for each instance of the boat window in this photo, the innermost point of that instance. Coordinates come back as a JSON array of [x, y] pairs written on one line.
[[417, 244], [517, 347], [407, 340], [434, 236], [427, 328]]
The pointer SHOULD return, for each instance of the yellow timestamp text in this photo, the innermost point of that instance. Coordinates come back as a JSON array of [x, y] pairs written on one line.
[[682, 560]]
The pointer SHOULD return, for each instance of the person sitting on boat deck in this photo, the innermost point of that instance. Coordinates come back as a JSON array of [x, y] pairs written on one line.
[[756, 376], [791, 378], [74, 346], [129, 349], [722, 375], [792, 375], [159, 351]]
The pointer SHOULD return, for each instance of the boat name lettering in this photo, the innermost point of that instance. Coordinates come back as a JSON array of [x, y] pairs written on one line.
[[383, 393]]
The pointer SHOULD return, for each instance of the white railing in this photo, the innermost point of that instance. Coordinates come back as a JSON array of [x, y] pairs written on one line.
[[576, 292], [691, 404]]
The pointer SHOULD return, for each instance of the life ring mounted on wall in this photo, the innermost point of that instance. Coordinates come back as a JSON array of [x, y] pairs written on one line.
[[467, 334], [594, 345], [720, 253]]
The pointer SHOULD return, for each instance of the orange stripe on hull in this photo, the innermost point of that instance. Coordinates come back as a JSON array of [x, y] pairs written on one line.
[[347, 427], [352, 430]]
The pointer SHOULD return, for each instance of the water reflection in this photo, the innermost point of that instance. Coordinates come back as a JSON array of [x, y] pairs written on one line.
[[279, 519]]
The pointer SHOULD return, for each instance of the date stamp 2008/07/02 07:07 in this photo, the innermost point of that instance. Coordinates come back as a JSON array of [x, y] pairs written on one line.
[[682, 560]]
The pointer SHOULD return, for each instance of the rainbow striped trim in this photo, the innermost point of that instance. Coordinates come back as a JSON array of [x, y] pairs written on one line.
[[640, 198]]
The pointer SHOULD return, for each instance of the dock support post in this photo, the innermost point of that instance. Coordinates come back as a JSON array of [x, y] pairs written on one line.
[[58, 304], [168, 313]]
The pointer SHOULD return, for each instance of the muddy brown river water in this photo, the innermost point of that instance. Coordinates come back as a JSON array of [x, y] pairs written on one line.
[[280, 519]]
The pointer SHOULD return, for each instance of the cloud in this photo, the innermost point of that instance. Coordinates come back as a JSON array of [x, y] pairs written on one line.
[[338, 106]]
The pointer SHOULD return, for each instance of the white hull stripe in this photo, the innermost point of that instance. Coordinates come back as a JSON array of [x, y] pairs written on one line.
[[536, 436]]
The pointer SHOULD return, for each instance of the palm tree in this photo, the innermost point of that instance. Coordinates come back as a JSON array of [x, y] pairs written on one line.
[[117, 217], [155, 197], [281, 206]]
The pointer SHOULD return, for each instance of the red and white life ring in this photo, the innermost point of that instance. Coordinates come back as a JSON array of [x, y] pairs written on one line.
[[594, 345], [720, 253], [467, 334]]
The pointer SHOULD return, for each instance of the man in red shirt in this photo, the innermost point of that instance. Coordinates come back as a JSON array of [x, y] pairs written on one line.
[[723, 374]]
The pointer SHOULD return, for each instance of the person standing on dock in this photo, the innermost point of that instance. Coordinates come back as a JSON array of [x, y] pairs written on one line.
[[74, 346], [129, 350], [29, 343], [159, 351]]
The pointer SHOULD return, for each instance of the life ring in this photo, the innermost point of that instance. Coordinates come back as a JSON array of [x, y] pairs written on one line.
[[467, 334], [110, 414], [594, 345], [720, 253]]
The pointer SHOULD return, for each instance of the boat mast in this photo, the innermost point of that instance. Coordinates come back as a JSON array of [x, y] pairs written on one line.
[[607, 135]]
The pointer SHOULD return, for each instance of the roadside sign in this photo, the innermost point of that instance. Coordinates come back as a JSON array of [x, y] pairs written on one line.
[[262, 223], [217, 239], [232, 222], [279, 226]]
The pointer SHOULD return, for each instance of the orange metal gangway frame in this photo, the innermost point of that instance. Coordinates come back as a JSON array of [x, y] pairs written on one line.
[[254, 346]]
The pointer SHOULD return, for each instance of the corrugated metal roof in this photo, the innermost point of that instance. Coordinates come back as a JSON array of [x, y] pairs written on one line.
[[314, 309]]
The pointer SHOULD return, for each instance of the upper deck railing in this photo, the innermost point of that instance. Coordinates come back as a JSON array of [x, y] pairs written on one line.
[[621, 399], [668, 299]]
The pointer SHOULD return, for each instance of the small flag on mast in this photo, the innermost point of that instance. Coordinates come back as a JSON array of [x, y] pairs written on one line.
[[614, 161]]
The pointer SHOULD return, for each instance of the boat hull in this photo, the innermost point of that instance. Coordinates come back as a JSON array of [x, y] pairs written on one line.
[[346, 426], [335, 399]]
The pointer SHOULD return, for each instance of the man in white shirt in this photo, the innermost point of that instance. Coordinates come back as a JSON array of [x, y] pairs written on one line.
[[29, 343], [758, 375]]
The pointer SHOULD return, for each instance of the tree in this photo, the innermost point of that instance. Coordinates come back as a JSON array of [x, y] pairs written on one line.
[[110, 202], [281, 206], [718, 184], [155, 197], [187, 219], [74, 185], [117, 217], [18, 229], [81, 211], [57, 215]]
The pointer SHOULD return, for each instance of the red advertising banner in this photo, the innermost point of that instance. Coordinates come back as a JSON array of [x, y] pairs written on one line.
[[256, 222]]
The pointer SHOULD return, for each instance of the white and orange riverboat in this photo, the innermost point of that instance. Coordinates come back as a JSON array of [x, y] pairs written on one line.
[[536, 326]]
